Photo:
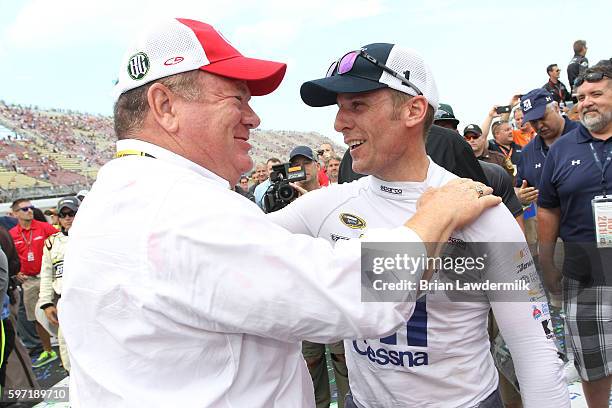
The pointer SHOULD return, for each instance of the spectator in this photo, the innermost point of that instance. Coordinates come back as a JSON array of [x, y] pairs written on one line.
[[576, 178], [523, 133], [503, 143], [333, 166], [559, 92], [29, 236], [473, 135], [52, 268], [263, 186], [325, 152], [578, 64], [445, 117], [261, 174], [543, 114], [304, 156]]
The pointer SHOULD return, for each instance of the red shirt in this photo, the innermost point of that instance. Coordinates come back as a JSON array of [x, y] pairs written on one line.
[[323, 180], [31, 241]]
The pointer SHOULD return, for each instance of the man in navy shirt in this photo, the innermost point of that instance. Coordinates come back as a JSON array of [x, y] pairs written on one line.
[[575, 188], [542, 112]]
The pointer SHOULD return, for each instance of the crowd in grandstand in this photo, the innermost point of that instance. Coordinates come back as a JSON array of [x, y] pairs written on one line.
[[548, 157]]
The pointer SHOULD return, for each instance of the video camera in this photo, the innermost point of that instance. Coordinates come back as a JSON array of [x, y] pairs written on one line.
[[280, 193]]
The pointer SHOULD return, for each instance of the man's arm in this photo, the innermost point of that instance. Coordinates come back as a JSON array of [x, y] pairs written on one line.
[[47, 293], [538, 369], [549, 220], [486, 124]]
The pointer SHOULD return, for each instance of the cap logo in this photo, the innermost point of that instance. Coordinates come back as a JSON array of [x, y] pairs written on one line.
[[527, 104], [173, 61], [138, 66]]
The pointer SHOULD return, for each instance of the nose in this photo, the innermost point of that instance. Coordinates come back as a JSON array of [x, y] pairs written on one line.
[[250, 118], [342, 121]]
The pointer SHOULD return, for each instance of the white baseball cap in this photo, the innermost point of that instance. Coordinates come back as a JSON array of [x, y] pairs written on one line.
[[179, 45]]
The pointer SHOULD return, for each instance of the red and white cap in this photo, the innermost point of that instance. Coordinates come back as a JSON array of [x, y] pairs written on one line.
[[181, 45]]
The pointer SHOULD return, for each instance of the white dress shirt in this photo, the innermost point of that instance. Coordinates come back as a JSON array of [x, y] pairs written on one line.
[[178, 292]]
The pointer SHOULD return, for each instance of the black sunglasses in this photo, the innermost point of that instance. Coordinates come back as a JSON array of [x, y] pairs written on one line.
[[63, 214], [26, 209], [591, 77]]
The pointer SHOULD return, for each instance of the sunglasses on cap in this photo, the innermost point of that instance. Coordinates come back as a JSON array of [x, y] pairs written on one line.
[[591, 77], [64, 214], [26, 209], [347, 62], [471, 136]]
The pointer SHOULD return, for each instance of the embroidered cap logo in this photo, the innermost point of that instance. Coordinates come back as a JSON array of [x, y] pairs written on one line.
[[138, 66]]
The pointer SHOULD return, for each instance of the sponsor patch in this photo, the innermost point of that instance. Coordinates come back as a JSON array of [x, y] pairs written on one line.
[[138, 66], [352, 221]]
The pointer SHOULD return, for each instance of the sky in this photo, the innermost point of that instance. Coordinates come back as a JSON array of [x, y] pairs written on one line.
[[66, 53]]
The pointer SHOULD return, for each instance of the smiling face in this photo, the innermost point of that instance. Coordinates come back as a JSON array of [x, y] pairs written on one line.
[[595, 105], [375, 138], [214, 128]]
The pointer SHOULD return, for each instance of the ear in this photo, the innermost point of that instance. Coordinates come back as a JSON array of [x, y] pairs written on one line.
[[415, 111], [162, 106]]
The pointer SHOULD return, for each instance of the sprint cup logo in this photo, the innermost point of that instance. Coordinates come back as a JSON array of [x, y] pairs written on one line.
[[352, 221], [138, 66]]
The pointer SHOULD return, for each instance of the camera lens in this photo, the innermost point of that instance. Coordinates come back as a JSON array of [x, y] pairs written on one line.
[[286, 193]]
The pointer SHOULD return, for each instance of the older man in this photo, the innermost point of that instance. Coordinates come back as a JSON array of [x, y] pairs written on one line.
[[175, 305], [386, 97], [575, 204]]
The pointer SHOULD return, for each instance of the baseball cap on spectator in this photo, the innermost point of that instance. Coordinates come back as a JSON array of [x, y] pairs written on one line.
[[445, 113], [179, 45], [302, 151], [475, 129], [374, 66], [68, 202], [533, 104]]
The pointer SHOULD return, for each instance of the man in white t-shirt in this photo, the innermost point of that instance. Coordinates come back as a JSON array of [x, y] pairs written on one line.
[[386, 96]]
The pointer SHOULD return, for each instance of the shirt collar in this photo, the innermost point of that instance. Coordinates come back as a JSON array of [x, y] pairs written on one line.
[[583, 135], [402, 190], [169, 157]]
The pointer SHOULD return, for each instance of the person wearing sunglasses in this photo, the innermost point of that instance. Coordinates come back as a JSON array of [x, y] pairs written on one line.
[[386, 97], [574, 203], [29, 236], [52, 268]]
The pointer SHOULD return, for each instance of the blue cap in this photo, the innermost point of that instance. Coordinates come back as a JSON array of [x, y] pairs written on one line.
[[534, 104], [302, 151]]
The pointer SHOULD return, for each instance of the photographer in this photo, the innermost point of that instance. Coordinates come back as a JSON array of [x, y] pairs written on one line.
[[304, 156]]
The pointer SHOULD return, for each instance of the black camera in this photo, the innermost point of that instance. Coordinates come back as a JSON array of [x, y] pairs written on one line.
[[280, 193]]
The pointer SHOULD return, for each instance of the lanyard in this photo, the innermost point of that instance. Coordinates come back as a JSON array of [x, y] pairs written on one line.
[[507, 153], [604, 166], [557, 88], [124, 153], [29, 243]]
